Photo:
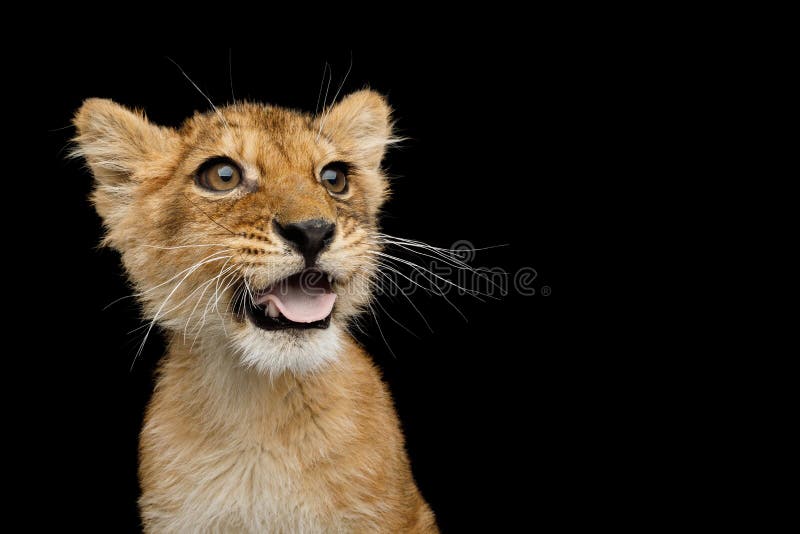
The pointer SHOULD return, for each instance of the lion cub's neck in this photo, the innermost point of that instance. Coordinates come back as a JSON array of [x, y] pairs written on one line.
[[208, 389]]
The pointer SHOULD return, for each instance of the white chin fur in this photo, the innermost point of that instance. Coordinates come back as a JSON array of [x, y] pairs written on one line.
[[296, 351]]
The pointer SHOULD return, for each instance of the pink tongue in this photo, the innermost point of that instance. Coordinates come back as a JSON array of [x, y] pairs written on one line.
[[300, 305]]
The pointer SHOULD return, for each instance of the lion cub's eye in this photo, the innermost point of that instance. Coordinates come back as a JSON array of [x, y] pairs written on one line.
[[219, 175], [334, 177]]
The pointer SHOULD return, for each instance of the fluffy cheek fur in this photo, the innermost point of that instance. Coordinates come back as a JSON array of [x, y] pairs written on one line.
[[199, 311], [196, 301]]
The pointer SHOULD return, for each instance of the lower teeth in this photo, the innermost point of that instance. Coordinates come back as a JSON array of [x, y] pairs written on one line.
[[272, 310]]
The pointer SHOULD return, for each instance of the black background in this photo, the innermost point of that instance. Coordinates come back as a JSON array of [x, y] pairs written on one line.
[[504, 422]]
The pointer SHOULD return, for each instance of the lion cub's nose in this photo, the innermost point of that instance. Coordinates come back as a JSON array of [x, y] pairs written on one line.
[[309, 237]]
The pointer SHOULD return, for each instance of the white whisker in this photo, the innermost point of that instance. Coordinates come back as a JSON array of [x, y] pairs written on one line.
[[142, 293], [378, 324], [389, 279], [157, 314], [219, 114], [341, 85]]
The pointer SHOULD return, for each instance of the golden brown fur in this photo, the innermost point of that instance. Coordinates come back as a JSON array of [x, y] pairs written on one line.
[[252, 430]]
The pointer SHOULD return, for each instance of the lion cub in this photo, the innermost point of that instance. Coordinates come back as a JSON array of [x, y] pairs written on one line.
[[250, 236]]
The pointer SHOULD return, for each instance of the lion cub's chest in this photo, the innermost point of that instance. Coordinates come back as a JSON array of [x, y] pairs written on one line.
[[263, 487], [255, 488]]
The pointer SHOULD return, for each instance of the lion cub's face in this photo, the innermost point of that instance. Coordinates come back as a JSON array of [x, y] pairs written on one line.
[[252, 227]]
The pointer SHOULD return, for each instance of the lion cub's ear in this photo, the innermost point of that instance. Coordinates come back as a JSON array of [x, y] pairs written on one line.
[[361, 126], [116, 142]]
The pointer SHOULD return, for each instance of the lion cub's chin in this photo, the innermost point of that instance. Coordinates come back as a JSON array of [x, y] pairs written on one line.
[[296, 351]]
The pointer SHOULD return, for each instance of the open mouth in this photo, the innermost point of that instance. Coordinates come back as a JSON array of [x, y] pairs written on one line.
[[303, 300]]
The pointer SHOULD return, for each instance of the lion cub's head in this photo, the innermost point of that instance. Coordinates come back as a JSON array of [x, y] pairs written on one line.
[[252, 226]]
